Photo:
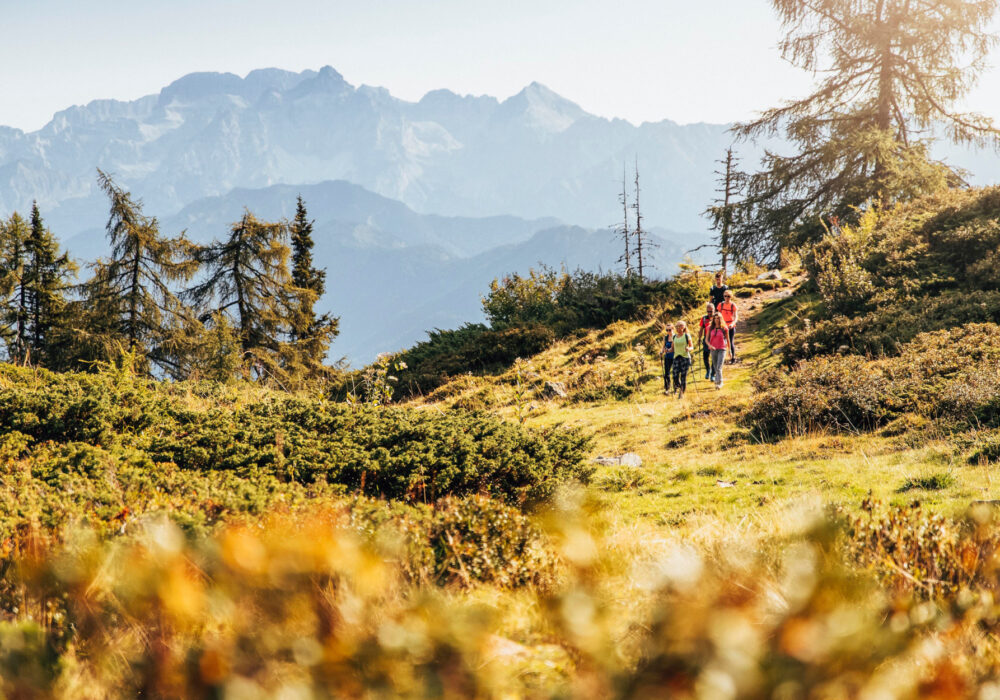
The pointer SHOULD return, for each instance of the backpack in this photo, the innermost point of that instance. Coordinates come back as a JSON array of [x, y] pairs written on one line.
[[732, 310]]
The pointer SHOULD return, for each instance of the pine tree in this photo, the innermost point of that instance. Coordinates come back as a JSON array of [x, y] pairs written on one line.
[[310, 335], [47, 278], [14, 234], [893, 69], [247, 280], [724, 208], [128, 304], [305, 277]]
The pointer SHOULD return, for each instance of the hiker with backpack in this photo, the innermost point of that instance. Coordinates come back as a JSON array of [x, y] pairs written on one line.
[[668, 355], [683, 347], [703, 323], [718, 290], [731, 316], [718, 341]]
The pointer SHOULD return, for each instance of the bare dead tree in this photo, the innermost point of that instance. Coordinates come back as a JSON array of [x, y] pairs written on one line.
[[623, 230], [642, 243]]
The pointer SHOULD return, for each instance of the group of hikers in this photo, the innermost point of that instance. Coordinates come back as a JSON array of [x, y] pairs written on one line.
[[716, 336]]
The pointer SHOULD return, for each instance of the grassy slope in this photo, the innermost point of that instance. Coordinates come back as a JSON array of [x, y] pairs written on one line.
[[688, 446]]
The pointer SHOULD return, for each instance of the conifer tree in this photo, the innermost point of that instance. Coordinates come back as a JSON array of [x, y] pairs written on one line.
[[14, 234], [47, 278], [128, 303], [305, 277], [247, 280], [310, 335], [892, 71]]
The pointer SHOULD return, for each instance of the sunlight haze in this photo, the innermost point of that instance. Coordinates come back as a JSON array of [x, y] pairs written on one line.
[[640, 60]]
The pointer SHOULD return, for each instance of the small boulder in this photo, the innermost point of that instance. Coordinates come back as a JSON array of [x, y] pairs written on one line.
[[770, 275], [555, 390], [629, 459]]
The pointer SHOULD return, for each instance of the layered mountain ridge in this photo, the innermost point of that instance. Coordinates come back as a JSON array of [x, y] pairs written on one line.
[[418, 205], [535, 154]]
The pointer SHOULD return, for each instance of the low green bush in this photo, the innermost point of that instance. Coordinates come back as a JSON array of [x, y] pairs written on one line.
[[472, 348], [568, 302], [986, 449], [934, 482], [838, 393], [885, 330], [92, 428], [952, 375]]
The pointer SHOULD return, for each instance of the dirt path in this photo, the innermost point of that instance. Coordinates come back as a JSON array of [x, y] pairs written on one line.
[[749, 308], [748, 345]]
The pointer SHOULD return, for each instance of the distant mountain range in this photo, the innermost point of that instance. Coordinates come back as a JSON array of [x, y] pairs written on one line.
[[533, 155], [418, 204]]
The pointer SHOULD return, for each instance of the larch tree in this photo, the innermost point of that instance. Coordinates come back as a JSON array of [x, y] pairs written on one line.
[[129, 304], [247, 280], [890, 73]]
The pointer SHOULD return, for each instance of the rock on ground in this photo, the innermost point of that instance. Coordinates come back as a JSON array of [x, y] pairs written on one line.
[[629, 459]]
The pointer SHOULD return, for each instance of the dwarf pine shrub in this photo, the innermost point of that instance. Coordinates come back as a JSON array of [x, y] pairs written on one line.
[[86, 426]]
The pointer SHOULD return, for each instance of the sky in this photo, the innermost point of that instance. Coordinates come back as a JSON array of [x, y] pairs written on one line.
[[640, 60]]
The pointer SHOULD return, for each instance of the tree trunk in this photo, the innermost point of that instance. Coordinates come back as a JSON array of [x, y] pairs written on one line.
[[883, 116]]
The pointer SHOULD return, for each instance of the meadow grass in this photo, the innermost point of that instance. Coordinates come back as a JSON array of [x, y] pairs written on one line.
[[698, 461]]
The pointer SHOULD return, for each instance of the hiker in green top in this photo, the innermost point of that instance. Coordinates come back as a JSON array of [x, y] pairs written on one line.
[[683, 347]]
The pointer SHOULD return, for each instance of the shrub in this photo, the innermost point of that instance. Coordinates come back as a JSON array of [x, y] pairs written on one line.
[[479, 540], [924, 553], [839, 393], [927, 265], [987, 450], [566, 303], [942, 240], [472, 348], [457, 541], [90, 428], [952, 375], [885, 330], [514, 299], [934, 482], [390, 453], [836, 265]]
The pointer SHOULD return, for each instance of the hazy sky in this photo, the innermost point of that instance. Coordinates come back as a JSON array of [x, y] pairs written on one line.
[[642, 60]]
